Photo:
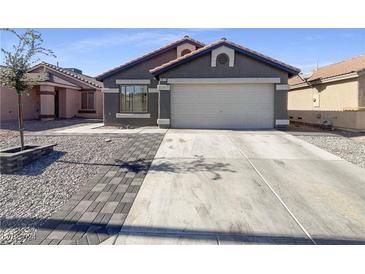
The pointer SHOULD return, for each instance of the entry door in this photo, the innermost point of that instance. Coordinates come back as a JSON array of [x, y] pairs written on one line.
[[227, 106]]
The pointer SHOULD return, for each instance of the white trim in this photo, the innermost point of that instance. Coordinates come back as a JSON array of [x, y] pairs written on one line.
[[133, 115], [337, 78], [163, 121], [282, 122], [163, 87], [223, 80], [133, 81], [282, 87], [152, 90], [184, 46], [223, 49], [110, 90]]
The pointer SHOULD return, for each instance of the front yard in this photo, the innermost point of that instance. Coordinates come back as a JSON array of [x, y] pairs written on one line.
[[350, 146], [33, 194]]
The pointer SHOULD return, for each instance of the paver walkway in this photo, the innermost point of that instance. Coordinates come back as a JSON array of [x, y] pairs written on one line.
[[99, 209]]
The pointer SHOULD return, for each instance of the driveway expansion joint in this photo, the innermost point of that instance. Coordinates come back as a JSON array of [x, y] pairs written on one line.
[[276, 195]]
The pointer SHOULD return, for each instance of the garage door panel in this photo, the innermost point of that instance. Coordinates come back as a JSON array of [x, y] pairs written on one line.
[[222, 106]]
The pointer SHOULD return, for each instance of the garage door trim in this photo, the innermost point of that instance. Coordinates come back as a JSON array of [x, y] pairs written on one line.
[[228, 119], [269, 80]]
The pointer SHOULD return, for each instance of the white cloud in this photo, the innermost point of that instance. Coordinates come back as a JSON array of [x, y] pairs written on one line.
[[313, 37], [115, 39], [66, 52]]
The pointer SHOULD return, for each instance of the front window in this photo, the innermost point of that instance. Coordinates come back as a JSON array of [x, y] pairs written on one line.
[[133, 98], [88, 100]]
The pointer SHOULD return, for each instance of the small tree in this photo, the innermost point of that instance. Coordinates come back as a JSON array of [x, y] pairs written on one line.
[[16, 64]]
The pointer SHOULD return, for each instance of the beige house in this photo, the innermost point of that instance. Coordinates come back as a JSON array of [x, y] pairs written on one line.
[[62, 93], [334, 93]]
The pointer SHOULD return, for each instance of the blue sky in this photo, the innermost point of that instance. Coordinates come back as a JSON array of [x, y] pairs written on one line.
[[96, 50]]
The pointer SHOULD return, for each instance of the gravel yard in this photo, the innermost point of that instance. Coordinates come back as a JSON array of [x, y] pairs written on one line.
[[346, 148], [33, 194]]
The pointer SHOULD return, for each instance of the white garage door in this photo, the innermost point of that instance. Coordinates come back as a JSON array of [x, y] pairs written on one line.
[[230, 106]]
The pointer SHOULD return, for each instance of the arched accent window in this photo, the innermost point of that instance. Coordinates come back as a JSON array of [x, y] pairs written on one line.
[[185, 51], [221, 56], [222, 59]]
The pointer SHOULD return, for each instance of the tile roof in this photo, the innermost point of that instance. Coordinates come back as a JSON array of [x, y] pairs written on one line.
[[81, 77], [223, 41], [355, 64], [149, 54], [295, 80]]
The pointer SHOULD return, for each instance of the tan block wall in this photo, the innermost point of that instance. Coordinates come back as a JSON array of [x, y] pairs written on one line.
[[335, 96], [9, 104], [340, 119]]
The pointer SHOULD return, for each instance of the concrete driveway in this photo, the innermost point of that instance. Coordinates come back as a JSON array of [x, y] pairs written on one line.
[[228, 187]]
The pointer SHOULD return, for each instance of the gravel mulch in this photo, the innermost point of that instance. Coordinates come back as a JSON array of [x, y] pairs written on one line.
[[346, 148], [33, 194]]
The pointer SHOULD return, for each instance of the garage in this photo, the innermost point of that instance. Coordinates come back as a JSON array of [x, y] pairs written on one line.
[[228, 106]]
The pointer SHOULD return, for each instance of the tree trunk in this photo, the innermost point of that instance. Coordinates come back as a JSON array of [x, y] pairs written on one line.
[[20, 121]]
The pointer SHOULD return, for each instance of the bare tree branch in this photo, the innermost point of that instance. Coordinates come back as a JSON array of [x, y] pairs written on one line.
[[14, 71]]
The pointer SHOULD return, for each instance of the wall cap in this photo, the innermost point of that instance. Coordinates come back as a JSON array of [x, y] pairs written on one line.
[[133, 81], [163, 87], [163, 121], [133, 115]]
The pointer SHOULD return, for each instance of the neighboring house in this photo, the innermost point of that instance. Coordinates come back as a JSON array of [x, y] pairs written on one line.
[[335, 93], [61, 93], [187, 84]]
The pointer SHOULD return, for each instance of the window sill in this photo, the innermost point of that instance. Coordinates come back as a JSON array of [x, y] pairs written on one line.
[[133, 115], [87, 111]]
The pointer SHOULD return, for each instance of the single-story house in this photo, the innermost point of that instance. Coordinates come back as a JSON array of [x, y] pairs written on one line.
[[61, 93], [187, 84], [333, 93]]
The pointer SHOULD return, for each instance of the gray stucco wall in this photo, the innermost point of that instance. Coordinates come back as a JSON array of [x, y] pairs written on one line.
[[281, 105], [165, 104], [139, 71], [244, 66], [111, 100]]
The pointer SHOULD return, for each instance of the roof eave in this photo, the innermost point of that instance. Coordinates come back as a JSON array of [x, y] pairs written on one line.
[[291, 72], [54, 68], [102, 76]]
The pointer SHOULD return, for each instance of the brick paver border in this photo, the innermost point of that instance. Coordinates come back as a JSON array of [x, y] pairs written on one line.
[[101, 206]]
